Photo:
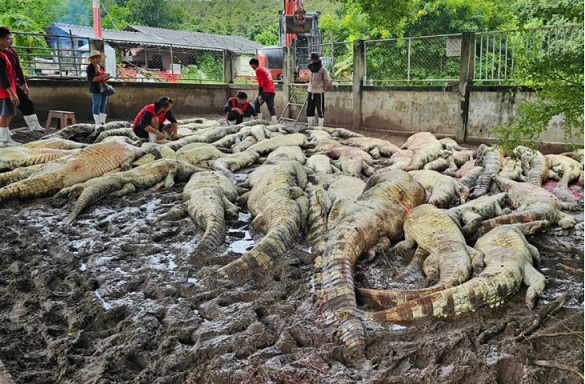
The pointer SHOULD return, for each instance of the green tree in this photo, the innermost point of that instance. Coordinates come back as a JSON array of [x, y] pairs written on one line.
[[555, 72], [154, 13]]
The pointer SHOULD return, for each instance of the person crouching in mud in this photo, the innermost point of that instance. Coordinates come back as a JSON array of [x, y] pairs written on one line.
[[238, 107], [149, 123]]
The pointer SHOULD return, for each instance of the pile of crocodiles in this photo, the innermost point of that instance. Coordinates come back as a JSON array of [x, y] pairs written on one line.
[[465, 212]]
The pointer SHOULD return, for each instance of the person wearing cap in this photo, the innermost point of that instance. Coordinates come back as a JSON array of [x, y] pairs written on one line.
[[266, 90], [95, 76], [26, 106], [8, 97], [238, 107], [150, 121], [319, 82]]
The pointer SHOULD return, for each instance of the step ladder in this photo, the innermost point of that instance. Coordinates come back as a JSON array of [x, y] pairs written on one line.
[[297, 93]]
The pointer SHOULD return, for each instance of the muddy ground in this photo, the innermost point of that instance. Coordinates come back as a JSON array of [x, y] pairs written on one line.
[[112, 298]]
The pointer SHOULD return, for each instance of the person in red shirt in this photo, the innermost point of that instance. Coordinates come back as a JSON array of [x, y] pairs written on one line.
[[266, 91], [149, 122], [8, 96], [26, 105], [238, 107]]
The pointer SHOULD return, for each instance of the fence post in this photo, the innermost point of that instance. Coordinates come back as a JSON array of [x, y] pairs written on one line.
[[359, 70], [288, 73], [466, 75], [228, 66]]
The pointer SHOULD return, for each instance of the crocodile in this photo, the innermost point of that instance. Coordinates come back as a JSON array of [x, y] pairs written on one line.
[[123, 139], [567, 168], [450, 144], [534, 164], [235, 161], [244, 145], [375, 147], [320, 163], [207, 135], [490, 158], [470, 178], [286, 152], [443, 164], [90, 162], [450, 260], [75, 132], [509, 261], [426, 148], [341, 133], [377, 214], [531, 203], [512, 169], [106, 127], [443, 190], [400, 159], [25, 172], [16, 157], [280, 208], [157, 173], [327, 201], [470, 215], [198, 152], [54, 143], [352, 161], [266, 146], [210, 197], [126, 132], [462, 157]]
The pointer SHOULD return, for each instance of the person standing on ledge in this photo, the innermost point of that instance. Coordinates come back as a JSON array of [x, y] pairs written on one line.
[[95, 76], [26, 105], [8, 97], [238, 107], [319, 82], [266, 90]]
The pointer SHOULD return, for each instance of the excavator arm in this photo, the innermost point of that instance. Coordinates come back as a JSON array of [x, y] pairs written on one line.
[[295, 18]]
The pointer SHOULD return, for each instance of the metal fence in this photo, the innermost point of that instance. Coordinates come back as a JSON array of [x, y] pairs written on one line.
[[498, 54], [427, 60], [63, 56]]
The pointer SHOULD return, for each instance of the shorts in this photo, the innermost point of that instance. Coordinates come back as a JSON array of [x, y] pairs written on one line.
[[7, 108], [140, 132]]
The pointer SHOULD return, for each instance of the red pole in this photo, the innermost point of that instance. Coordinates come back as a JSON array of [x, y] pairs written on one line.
[[97, 20]]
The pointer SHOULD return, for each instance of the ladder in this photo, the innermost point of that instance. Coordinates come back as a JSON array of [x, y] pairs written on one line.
[[296, 93]]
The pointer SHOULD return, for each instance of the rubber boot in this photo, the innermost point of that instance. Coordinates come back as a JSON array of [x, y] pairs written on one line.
[[6, 139], [103, 118], [32, 121], [152, 138], [274, 119], [97, 120], [321, 121], [311, 120], [259, 117]]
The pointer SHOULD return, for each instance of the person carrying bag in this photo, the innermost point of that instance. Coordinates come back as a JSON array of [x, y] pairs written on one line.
[[96, 80]]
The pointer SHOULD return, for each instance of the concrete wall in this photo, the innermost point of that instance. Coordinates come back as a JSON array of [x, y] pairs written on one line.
[[397, 110]]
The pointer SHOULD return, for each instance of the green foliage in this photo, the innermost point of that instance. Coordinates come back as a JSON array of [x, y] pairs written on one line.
[[154, 13], [554, 68], [208, 68]]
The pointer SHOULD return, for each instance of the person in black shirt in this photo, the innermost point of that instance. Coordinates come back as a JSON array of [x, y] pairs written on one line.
[[238, 107], [95, 76]]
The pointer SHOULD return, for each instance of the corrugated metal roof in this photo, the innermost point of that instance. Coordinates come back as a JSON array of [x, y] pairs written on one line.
[[159, 36], [200, 39]]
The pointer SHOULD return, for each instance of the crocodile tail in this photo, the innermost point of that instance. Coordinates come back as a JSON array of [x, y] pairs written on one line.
[[91, 195], [512, 218], [212, 220], [481, 291], [317, 215], [42, 185], [532, 227], [385, 298], [350, 332], [276, 242]]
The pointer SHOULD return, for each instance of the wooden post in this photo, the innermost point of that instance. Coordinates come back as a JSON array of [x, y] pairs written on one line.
[[288, 73], [466, 75], [359, 70], [228, 66]]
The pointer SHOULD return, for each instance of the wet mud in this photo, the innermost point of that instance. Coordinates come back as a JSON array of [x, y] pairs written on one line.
[[113, 298]]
